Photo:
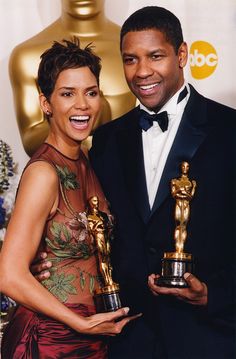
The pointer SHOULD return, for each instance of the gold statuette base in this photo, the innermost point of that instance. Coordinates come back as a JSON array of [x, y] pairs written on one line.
[[174, 265], [107, 299]]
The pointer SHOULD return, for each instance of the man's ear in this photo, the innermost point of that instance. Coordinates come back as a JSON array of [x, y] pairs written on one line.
[[183, 55]]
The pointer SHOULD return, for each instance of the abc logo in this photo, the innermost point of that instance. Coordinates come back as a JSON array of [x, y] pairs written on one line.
[[203, 59]]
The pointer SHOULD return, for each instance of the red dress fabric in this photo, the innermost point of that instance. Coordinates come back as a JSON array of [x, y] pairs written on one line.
[[74, 275], [32, 335]]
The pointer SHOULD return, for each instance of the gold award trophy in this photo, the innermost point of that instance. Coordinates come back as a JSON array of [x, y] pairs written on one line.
[[106, 298], [175, 264]]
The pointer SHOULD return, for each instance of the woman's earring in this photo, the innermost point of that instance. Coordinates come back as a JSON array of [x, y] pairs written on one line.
[[48, 114]]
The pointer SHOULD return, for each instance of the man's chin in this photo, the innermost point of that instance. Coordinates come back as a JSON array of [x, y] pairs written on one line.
[[152, 106]]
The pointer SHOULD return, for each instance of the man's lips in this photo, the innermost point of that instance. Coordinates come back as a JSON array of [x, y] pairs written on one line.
[[148, 89]]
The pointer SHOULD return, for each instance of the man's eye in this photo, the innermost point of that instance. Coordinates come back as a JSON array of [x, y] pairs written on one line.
[[156, 56], [129, 60]]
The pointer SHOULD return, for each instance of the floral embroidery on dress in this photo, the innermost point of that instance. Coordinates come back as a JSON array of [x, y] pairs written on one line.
[[91, 280], [67, 178], [69, 238], [73, 243], [60, 285]]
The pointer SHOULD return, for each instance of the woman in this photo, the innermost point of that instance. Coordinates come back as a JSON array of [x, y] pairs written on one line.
[[86, 19], [50, 215]]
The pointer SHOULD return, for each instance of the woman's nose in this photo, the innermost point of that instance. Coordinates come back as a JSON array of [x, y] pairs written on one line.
[[81, 102]]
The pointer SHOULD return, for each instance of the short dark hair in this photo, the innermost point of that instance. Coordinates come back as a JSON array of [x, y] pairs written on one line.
[[154, 17], [63, 56]]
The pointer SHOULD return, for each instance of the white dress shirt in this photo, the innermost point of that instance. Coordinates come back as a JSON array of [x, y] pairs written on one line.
[[157, 144]]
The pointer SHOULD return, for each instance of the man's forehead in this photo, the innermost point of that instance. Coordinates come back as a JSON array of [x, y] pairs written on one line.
[[150, 40]]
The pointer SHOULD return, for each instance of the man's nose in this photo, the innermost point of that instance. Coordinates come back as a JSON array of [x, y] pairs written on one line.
[[144, 68]]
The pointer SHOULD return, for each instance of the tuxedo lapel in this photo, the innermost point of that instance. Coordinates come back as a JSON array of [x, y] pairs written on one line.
[[190, 135], [129, 141]]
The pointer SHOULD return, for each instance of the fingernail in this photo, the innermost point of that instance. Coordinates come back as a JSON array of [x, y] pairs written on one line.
[[186, 275], [43, 255], [126, 310], [49, 264]]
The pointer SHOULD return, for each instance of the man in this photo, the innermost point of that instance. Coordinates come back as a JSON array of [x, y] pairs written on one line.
[[135, 161]]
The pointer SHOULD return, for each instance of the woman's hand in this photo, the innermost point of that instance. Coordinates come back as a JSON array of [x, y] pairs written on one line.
[[110, 323], [101, 324]]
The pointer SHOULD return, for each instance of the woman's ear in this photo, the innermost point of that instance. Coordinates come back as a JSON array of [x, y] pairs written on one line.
[[45, 105]]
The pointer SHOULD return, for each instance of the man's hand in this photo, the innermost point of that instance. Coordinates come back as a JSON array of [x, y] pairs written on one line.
[[195, 294], [40, 266]]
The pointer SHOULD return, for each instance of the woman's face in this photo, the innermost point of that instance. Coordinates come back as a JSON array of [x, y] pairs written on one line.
[[74, 104]]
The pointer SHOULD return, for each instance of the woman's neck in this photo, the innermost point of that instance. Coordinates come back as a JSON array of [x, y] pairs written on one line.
[[70, 150]]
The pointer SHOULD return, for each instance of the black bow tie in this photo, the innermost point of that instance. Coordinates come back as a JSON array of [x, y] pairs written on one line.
[[146, 120]]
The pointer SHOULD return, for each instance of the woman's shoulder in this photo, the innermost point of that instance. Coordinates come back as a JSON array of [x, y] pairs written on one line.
[[40, 172]]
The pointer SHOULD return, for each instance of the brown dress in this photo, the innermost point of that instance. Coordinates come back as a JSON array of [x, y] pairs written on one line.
[[74, 274]]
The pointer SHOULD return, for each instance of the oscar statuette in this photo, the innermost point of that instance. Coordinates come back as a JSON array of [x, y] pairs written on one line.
[[106, 298], [175, 264]]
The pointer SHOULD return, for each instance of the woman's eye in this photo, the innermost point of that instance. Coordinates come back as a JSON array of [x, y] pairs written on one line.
[[92, 93], [67, 94]]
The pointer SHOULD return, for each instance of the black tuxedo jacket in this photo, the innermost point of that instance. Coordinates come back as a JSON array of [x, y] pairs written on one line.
[[206, 139]]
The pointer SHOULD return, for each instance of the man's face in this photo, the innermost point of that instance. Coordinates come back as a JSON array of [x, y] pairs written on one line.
[[153, 71]]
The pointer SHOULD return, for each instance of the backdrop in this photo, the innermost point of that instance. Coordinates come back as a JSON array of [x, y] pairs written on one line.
[[209, 28]]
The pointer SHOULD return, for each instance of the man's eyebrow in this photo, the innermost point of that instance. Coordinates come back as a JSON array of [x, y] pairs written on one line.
[[151, 52], [128, 54]]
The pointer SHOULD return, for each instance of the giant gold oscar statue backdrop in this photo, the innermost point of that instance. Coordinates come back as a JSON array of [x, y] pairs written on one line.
[[78, 18]]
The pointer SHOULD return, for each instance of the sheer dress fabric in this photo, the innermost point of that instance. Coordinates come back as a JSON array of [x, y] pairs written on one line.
[[74, 274]]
